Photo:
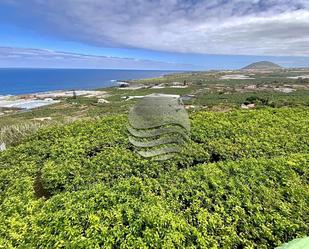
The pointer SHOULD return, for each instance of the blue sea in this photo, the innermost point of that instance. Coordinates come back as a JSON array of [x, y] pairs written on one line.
[[23, 81]]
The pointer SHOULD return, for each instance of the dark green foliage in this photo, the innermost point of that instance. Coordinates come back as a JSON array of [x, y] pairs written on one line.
[[242, 182], [256, 100]]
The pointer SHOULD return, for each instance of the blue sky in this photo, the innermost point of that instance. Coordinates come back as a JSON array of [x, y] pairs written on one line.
[[147, 34]]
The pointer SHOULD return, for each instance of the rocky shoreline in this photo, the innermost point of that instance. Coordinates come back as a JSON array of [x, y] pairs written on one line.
[[35, 100]]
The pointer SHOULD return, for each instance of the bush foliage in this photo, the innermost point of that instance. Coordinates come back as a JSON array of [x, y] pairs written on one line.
[[241, 182]]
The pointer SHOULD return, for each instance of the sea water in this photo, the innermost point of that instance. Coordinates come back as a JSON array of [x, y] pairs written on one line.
[[23, 81]]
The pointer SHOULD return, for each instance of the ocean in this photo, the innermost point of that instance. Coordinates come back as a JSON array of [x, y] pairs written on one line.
[[23, 81]]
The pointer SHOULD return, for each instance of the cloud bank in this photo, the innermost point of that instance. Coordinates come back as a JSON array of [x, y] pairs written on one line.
[[251, 27], [40, 58]]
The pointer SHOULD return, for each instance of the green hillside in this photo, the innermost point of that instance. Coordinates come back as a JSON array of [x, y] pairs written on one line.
[[242, 182]]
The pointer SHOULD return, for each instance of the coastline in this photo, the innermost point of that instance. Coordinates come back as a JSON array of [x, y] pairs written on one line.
[[40, 99], [32, 81], [34, 99]]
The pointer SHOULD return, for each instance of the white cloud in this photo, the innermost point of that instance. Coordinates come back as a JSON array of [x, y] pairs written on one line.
[[252, 27], [27, 57]]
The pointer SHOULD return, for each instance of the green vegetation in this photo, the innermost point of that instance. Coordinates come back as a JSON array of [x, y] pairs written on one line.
[[261, 99], [70, 178], [241, 182], [206, 90], [213, 78]]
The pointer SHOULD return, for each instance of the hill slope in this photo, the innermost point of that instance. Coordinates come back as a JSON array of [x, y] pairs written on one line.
[[263, 65]]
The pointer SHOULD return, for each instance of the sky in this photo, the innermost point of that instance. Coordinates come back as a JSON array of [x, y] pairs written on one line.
[[153, 34]]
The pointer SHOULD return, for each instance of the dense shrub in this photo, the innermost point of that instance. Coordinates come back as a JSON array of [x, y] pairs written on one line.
[[240, 134], [242, 182]]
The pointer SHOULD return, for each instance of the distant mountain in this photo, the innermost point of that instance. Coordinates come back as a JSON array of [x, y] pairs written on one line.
[[262, 65]]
